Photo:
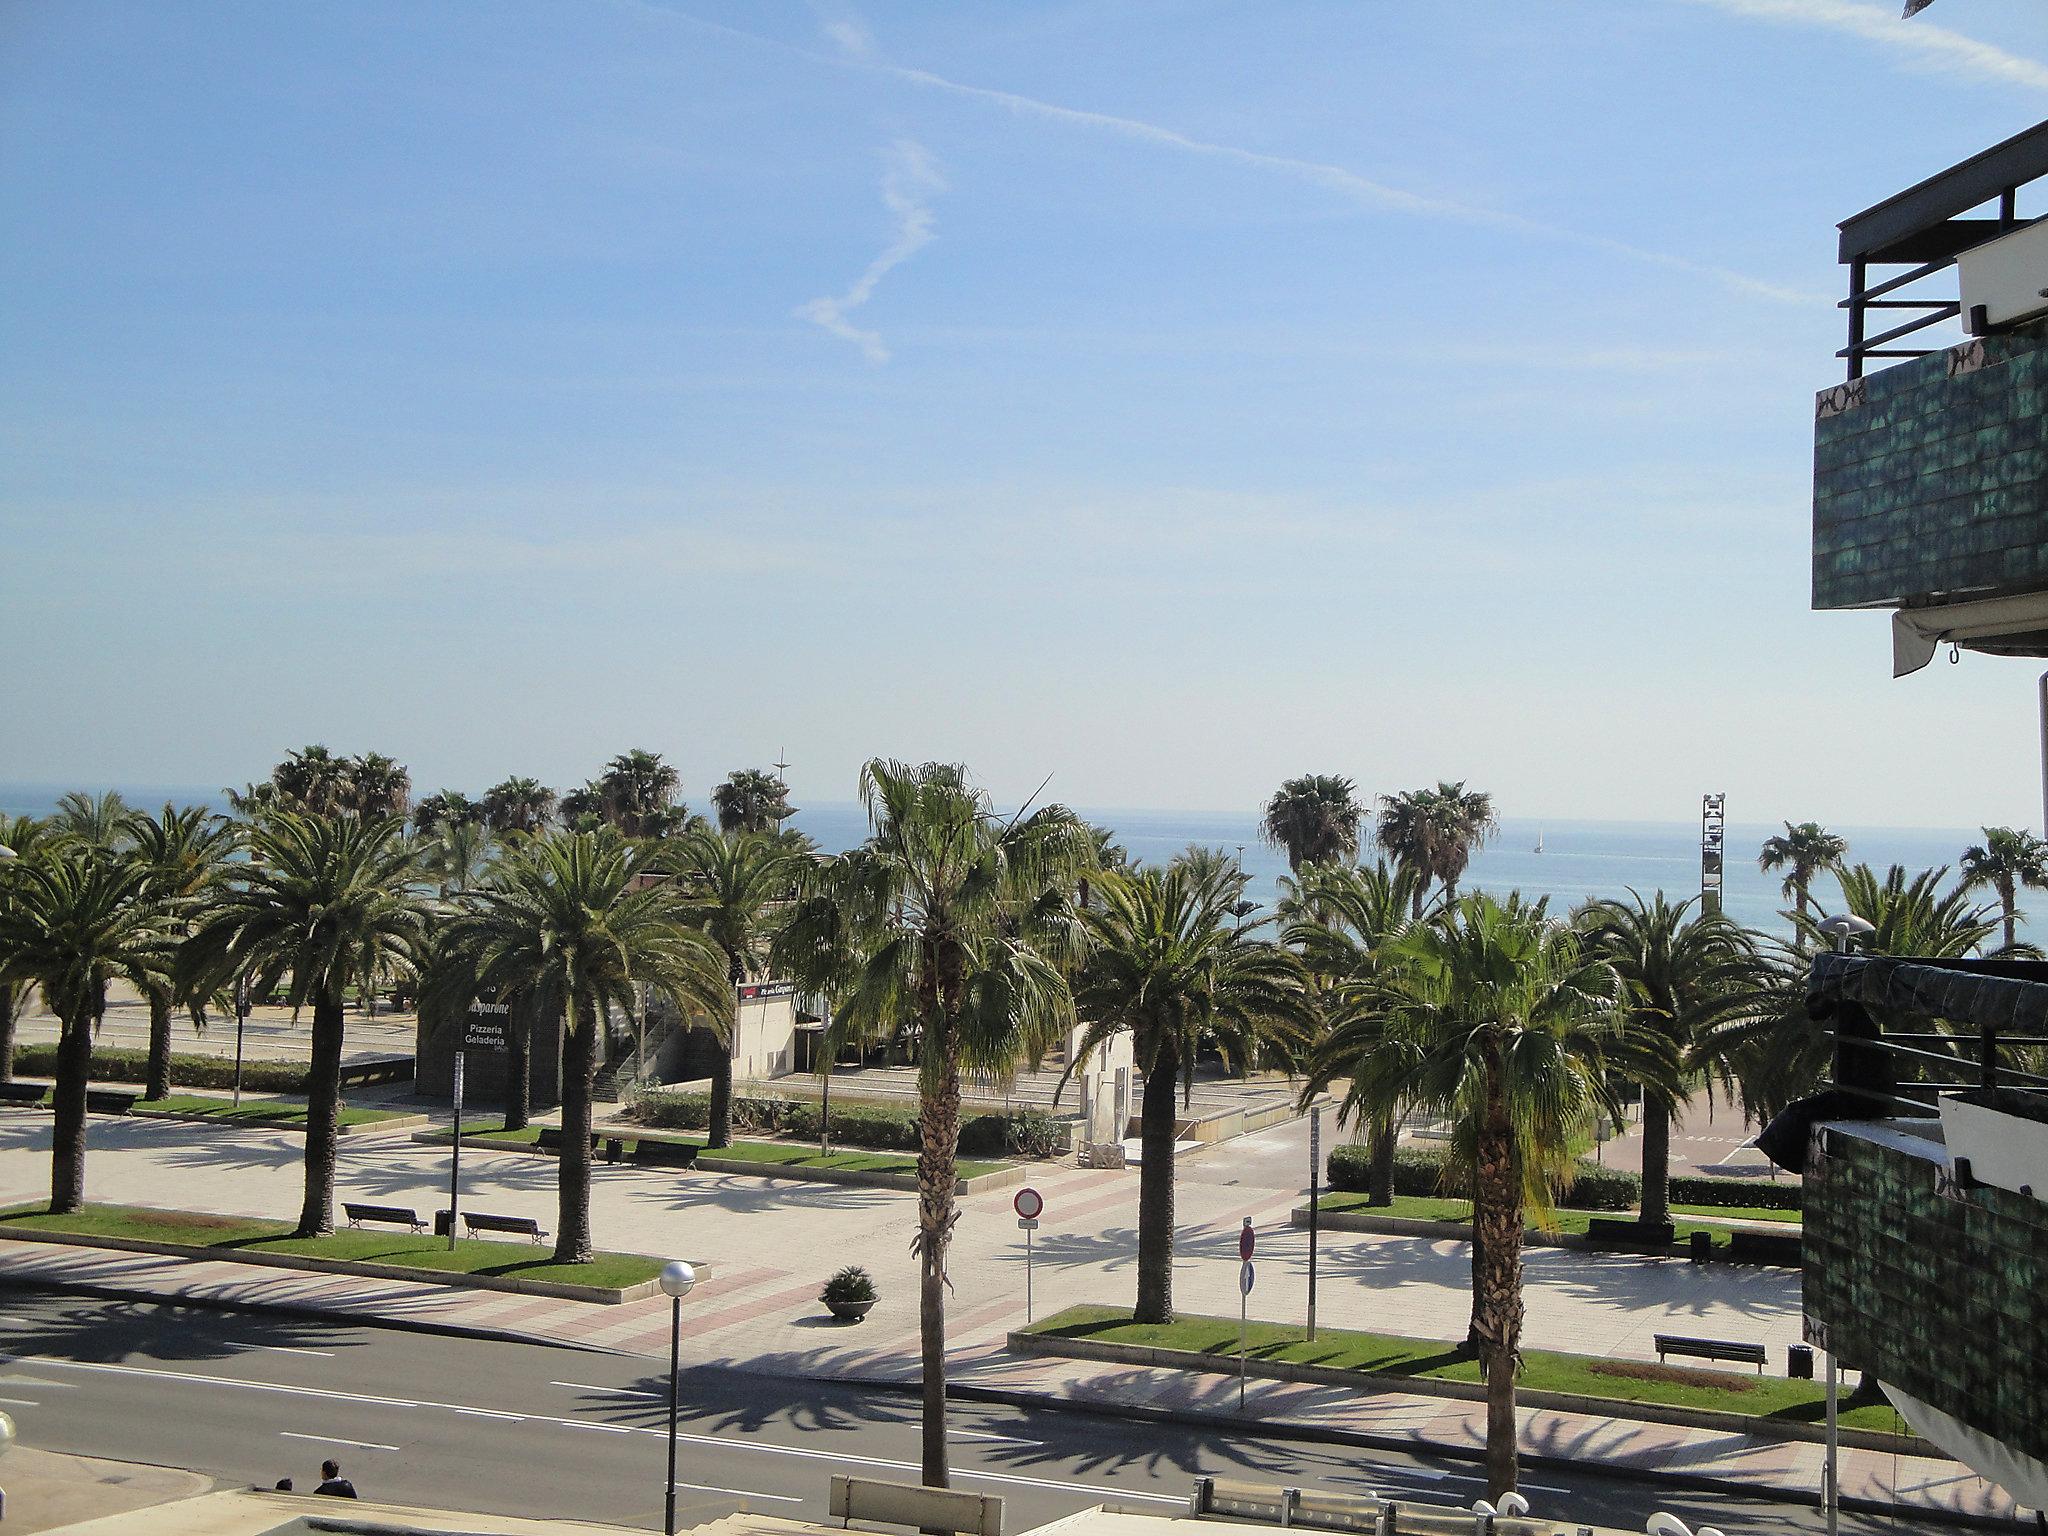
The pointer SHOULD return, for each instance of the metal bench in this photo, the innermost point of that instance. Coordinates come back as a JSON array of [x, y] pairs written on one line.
[[110, 1101], [550, 1140], [1710, 1349], [483, 1221], [1627, 1232], [665, 1154], [22, 1093], [390, 1215], [1782, 1248]]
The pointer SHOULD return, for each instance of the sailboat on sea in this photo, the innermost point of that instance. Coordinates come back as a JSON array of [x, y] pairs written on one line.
[[1539, 841]]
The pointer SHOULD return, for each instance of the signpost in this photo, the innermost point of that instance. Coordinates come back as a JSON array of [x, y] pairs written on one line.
[[1027, 1203], [241, 1018], [1713, 813], [1245, 1277], [1315, 1163], [482, 1030]]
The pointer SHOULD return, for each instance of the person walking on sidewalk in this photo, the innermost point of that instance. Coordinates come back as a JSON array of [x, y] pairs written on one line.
[[333, 1482]]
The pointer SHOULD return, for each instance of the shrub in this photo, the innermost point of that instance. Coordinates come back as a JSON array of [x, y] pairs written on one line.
[[1594, 1188], [1704, 1189], [850, 1285], [1426, 1172], [1019, 1133], [120, 1064]]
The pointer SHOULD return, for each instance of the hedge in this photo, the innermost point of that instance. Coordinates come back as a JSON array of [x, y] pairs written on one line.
[[1019, 1133], [123, 1064], [1593, 1188]]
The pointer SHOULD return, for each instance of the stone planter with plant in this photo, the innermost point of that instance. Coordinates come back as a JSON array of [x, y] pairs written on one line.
[[850, 1293]]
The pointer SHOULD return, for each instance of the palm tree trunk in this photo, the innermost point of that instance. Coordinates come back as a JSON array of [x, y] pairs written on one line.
[[572, 1177], [2008, 897], [938, 1125], [519, 1066], [323, 1117], [1656, 1161], [1379, 1181], [8, 1004], [1497, 1261], [67, 1148], [720, 1132], [1155, 1190], [157, 1077]]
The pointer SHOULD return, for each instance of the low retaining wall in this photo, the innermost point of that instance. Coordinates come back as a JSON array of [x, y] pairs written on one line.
[[1467, 1391], [1458, 1231], [144, 1111], [604, 1294]]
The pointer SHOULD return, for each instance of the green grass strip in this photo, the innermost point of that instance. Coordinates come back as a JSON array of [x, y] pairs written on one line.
[[1617, 1380], [410, 1250], [1437, 1208], [253, 1110], [795, 1156]]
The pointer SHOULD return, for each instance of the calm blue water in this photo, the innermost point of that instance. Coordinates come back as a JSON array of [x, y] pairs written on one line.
[[1581, 859]]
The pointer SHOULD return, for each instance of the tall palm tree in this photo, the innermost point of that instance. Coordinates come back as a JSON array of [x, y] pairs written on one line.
[[818, 946], [92, 821], [1499, 1019], [449, 805], [1312, 819], [184, 855], [1343, 920], [751, 800], [374, 786], [566, 926], [1168, 963], [1803, 851], [1688, 983], [731, 885], [2007, 860], [518, 805], [23, 836], [77, 918], [455, 854], [325, 903], [1464, 821], [1407, 834], [312, 781], [964, 924], [636, 793]]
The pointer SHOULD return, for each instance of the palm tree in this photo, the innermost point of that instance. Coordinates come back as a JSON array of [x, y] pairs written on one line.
[[24, 836], [818, 946], [98, 822], [636, 793], [456, 855], [252, 800], [751, 800], [1168, 963], [1499, 1019], [77, 918], [1464, 821], [1407, 834], [444, 805], [1803, 852], [731, 884], [312, 781], [1688, 984], [518, 805], [1312, 819], [374, 786], [1342, 920], [567, 927], [2006, 860], [184, 854], [331, 903], [963, 923]]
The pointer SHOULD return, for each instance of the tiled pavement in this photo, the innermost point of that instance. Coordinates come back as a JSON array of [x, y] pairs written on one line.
[[771, 1243]]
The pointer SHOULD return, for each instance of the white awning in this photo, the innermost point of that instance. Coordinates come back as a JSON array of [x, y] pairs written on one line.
[[2000, 626]]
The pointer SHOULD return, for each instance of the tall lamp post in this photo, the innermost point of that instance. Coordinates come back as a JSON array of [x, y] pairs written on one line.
[[677, 1280], [1844, 931]]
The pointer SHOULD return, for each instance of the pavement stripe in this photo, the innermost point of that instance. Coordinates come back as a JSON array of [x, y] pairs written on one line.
[[361, 1445]]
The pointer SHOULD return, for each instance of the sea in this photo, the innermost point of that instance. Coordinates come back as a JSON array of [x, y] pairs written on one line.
[[1580, 859]]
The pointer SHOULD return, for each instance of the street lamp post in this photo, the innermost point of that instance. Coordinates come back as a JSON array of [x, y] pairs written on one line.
[[677, 1279], [1844, 930]]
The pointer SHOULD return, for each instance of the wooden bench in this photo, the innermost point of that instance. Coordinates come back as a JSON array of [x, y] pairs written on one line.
[[110, 1101], [1710, 1349], [523, 1226], [390, 1215], [550, 1140], [665, 1154], [1627, 1232], [1765, 1248], [22, 1093]]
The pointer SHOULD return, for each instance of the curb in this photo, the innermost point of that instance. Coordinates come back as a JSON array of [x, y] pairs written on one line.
[[967, 1392], [270, 1123], [1461, 1232]]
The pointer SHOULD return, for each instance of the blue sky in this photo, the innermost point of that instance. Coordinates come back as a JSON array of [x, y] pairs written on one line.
[[1168, 397]]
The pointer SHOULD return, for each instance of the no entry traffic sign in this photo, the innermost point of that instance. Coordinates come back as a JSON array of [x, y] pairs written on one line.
[[1028, 1203], [1245, 1241]]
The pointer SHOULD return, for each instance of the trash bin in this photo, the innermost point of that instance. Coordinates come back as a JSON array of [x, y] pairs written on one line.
[[1702, 1246], [443, 1221], [1799, 1362]]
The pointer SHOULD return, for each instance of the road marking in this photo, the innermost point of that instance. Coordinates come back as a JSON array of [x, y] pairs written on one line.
[[739, 1493], [607, 1429], [589, 1386], [971, 1434], [374, 1400], [19, 1402], [286, 1349], [361, 1445]]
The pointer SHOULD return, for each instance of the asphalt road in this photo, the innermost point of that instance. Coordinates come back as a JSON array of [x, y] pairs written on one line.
[[540, 1431]]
